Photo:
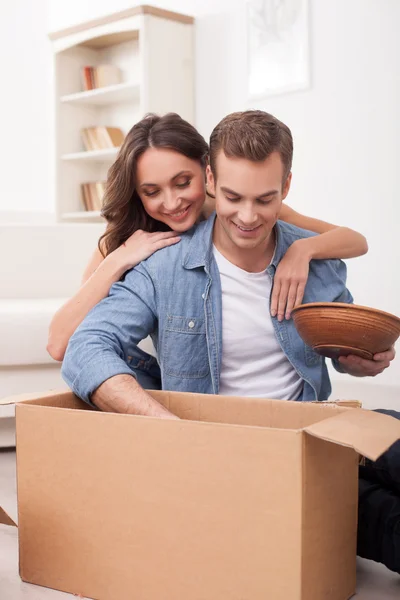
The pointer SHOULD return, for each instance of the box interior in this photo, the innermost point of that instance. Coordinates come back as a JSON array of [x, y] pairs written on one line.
[[257, 412]]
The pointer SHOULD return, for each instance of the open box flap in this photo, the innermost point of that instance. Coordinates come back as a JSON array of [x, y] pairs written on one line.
[[368, 432], [5, 519], [31, 396], [345, 403]]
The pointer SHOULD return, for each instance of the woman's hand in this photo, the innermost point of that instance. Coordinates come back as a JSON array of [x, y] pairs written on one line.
[[290, 280], [140, 245]]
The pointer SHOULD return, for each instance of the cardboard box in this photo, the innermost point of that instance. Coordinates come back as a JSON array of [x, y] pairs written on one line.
[[242, 499], [5, 519]]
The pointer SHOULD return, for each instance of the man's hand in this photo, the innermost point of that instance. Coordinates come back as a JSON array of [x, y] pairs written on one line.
[[360, 367], [123, 394]]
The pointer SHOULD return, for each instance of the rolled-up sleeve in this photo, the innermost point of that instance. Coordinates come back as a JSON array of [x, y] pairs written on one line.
[[100, 347]]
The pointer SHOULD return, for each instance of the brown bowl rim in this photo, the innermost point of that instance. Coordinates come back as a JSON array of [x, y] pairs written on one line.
[[345, 305]]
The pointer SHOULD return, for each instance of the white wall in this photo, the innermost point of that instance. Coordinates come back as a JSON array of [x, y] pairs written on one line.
[[25, 109], [63, 14]]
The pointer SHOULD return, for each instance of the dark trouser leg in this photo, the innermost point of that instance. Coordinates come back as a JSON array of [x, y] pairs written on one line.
[[379, 507], [379, 525]]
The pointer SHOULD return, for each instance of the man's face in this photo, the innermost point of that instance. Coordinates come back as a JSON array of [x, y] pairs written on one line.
[[248, 198]]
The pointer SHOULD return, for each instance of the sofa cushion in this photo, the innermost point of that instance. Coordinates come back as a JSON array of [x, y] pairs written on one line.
[[24, 327], [56, 254]]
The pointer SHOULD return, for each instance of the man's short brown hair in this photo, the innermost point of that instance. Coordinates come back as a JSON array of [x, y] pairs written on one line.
[[254, 135]]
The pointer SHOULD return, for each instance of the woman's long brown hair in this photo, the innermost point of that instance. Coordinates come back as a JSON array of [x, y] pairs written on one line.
[[123, 208]]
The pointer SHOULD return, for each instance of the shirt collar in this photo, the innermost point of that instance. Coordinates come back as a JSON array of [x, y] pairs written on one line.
[[200, 247], [280, 247]]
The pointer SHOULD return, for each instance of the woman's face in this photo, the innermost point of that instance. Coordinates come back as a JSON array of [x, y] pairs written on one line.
[[171, 187]]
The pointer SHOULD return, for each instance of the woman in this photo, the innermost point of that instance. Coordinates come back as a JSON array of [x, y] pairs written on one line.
[[144, 216]]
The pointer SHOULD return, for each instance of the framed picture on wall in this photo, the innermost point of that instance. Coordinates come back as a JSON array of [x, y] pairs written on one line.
[[278, 47]]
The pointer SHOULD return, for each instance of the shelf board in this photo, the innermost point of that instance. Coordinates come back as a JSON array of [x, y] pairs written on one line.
[[104, 155], [120, 92], [82, 215]]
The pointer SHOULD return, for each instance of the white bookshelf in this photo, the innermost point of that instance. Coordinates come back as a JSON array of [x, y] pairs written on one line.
[[120, 92], [82, 215], [153, 48], [98, 156]]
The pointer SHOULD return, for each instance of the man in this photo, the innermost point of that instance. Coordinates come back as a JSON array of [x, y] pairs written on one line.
[[205, 301]]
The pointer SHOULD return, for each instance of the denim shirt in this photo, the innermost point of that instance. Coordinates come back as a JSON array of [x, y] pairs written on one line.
[[175, 297]]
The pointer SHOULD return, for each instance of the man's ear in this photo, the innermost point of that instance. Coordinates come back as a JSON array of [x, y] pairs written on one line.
[[286, 186], [210, 181]]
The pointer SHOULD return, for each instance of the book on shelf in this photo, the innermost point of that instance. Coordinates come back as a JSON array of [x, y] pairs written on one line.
[[100, 76], [100, 138], [92, 195]]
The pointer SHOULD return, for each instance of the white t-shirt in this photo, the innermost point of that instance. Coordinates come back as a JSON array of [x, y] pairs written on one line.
[[253, 363]]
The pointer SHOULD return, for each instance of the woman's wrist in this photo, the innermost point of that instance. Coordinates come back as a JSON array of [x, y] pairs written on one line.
[[114, 265], [305, 247]]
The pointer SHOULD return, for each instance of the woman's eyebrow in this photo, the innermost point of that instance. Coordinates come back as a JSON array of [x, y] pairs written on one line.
[[185, 172], [172, 178]]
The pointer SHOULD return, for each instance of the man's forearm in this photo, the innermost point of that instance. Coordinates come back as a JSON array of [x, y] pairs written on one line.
[[123, 394]]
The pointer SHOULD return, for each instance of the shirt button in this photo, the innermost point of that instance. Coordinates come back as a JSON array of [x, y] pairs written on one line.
[[191, 324], [203, 296]]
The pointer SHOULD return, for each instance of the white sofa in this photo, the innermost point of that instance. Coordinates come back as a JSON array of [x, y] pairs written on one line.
[[41, 266]]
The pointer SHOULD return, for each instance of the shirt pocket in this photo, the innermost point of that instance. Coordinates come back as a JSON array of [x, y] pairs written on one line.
[[185, 351]]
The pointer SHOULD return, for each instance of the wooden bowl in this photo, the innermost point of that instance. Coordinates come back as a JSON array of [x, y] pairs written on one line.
[[334, 329]]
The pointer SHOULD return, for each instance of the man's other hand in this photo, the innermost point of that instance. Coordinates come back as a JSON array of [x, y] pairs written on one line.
[[360, 367]]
